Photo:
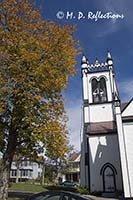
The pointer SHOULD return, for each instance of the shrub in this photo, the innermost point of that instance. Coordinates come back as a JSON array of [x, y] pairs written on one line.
[[83, 190]]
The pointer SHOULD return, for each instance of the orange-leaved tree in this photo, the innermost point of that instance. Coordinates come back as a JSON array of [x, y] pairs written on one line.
[[36, 59]]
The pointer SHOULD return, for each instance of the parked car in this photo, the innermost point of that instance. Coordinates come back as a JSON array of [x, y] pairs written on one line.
[[57, 195], [69, 184]]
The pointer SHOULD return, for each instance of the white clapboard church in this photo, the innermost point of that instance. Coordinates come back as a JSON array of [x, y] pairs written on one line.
[[107, 138]]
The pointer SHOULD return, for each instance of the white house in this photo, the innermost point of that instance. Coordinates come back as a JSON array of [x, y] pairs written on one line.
[[107, 138], [26, 169], [72, 173]]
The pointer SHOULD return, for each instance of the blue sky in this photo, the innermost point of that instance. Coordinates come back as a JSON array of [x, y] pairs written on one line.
[[95, 38]]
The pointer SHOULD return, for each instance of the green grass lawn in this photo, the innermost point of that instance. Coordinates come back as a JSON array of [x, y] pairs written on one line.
[[26, 187]]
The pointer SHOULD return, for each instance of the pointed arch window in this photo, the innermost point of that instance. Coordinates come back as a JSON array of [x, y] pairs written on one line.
[[103, 90], [95, 90], [99, 91]]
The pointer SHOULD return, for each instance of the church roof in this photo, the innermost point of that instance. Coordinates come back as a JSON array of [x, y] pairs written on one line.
[[108, 127], [102, 127], [127, 112], [123, 106]]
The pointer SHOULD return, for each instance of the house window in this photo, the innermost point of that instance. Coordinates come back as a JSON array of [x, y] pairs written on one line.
[[75, 165], [39, 174], [24, 172], [99, 91], [30, 173], [13, 172]]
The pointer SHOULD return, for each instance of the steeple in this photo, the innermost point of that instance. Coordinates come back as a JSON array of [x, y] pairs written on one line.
[[84, 63], [109, 59], [83, 60], [97, 64]]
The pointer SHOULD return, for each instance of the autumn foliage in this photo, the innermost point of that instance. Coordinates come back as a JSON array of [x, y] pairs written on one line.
[[36, 59]]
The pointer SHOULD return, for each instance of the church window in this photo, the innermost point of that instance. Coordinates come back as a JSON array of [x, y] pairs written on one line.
[[103, 91], [95, 90], [99, 91]]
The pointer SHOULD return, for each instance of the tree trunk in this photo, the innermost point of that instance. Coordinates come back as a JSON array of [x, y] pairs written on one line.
[[17, 175], [5, 164], [43, 174], [17, 172], [4, 179]]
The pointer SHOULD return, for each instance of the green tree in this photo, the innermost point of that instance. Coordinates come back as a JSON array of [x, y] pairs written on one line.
[[36, 59]]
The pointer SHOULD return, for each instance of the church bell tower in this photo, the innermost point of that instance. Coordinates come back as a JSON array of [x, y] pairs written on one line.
[[99, 136], [99, 90]]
